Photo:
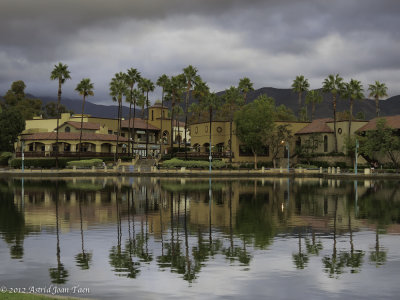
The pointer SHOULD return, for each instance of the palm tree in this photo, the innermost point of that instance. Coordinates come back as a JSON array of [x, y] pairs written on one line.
[[174, 91], [211, 102], [300, 85], [178, 112], [136, 99], [245, 85], [333, 84], [82, 259], [146, 85], [162, 81], [118, 89], [191, 77], [60, 73], [84, 88], [132, 77], [232, 99], [354, 91], [377, 90], [313, 97]]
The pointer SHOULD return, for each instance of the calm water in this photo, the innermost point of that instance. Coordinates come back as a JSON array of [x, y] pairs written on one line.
[[151, 238]]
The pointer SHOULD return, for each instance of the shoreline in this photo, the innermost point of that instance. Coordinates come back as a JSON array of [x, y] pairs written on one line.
[[187, 173]]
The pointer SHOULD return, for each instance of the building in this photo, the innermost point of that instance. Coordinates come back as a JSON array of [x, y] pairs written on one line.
[[220, 141], [99, 135]]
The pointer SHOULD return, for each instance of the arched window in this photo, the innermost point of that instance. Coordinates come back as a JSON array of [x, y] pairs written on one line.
[[67, 129], [325, 143], [152, 115]]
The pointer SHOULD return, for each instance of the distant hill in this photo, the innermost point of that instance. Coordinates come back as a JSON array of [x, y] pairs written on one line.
[[388, 107]]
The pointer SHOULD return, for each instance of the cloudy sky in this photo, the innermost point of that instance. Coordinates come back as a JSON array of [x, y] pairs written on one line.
[[268, 41]]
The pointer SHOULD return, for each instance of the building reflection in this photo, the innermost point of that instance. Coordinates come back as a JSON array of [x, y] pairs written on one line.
[[191, 228]]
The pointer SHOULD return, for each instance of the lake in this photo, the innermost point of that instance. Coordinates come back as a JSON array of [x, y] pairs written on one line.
[[151, 238]]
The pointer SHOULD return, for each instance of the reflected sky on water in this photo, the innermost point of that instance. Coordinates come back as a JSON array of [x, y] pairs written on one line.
[[166, 237]]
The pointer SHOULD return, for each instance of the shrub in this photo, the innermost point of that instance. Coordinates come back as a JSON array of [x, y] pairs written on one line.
[[85, 163], [4, 158], [47, 163], [177, 163]]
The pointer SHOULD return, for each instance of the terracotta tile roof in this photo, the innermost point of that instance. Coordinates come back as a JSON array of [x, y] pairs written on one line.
[[317, 126], [86, 136], [181, 124], [139, 124], [391, 121], [86, 125]]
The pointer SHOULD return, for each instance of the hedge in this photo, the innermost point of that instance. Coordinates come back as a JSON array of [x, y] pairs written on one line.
[[176, 163], [48, 163], [4, 158], [85, 163]]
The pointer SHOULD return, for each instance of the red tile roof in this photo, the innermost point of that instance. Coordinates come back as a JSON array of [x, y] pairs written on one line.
[[317, 126], [139, 124], [86, 125], [391, 121], [86, 136]]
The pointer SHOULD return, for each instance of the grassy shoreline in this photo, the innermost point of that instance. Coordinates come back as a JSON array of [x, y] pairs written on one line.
[[21, 296]]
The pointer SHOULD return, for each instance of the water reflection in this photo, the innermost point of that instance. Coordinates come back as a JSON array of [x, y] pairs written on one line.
[[184, 226]]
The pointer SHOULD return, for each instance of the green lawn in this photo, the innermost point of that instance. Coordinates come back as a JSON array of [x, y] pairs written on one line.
[[16, 296]]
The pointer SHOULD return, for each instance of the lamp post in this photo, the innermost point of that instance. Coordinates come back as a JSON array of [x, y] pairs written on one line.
[[22, 155], [355, 167], [288, 154]]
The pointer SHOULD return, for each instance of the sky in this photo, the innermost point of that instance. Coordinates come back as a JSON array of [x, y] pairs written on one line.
[[270, 41]]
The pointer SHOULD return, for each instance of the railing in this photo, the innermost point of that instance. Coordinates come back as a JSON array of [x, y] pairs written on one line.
[[66, 154], [204, 155]]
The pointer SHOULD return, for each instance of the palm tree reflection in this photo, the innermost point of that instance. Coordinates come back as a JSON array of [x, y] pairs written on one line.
[[82, 259], [59, 274]]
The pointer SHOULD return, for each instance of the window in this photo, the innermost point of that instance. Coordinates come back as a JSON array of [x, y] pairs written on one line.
[[123, 134], [67, 129], [325, 143], [110, 132], [152, 115], [31, 147], [219, 129], [206, 129]]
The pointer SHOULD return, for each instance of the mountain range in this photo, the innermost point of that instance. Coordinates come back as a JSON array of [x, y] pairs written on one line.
[[287, 97]]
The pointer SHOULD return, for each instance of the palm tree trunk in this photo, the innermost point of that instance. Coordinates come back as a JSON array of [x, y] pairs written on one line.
[[58, 117], [179, 134], [118, 125], [299, 109], [351, 115], [129, 128], [133, 126], [334, 122], [186, 115], [210, 110], [162, 117], [378, 112], [147, 125], [230, 139], [80, 136], [172, 122]]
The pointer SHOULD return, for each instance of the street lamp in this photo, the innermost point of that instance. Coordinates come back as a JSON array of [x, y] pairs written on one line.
[[288, 153], [355, 167]]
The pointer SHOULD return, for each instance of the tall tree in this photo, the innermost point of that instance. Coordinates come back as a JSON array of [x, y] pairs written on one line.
[[118, 89], [245, 86], [60, 73], [162, 82], [233, 99], [137, 99], [333, 84], [191, 78], [132, 77], [300, 85], [11, 125], [174, 92], [377, 90], [211, 102], [253, 122], [353, 91], [84, 88], [146, 85], [313, 97]]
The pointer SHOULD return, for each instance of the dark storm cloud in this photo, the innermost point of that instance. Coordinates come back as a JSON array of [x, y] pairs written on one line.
[[269, 41]]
